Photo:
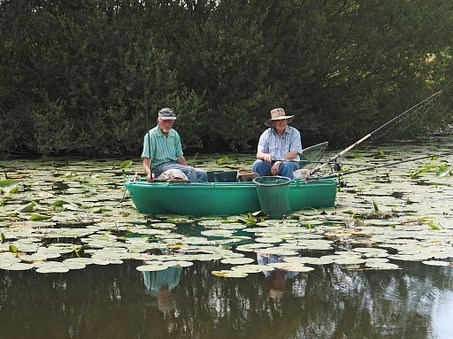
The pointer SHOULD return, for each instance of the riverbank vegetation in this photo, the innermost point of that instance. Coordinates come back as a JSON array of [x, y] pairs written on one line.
[[87, 77]]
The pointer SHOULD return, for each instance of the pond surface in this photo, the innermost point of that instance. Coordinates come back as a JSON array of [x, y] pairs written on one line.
[[77, 260]]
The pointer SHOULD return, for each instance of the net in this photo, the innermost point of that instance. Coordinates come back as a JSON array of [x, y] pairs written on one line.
[[310, 156]]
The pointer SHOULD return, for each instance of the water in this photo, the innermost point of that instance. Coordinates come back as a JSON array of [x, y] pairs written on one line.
[[114, 302], [333, 301]]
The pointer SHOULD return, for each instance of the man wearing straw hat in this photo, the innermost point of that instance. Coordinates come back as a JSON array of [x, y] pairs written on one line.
[[278, 143]]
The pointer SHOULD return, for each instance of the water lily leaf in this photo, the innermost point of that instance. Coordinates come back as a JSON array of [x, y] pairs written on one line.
[[317, 244], [179, 263], [371, 252], [60, 203], [428, 221], [126, 164], [252, 247], [325, 260], [4, 200], [298, 260], [82, 260], [372, 261], [416, 174], [349, 261], [151, 268], [39, 217], [411, 257], [217, 233], [8, 183], [437, 263], [229, 274], [163, 225], [237, 261], [223, 160], [443, 170], [52, 267], [381, 266], [19, 267], [27, 208], [252, 268], [79, 251], [73, 265], [269, 240], [291, 267], [105, 261], [15, 189], [279, 251]]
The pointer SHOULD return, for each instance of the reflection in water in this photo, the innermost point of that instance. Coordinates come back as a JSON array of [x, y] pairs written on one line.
[[443, 313], [277, 281], [160, 284], [117, 301]]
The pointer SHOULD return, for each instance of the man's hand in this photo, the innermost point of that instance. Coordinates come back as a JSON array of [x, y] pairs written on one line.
[[275, 169], [267, 157], [147, 168]]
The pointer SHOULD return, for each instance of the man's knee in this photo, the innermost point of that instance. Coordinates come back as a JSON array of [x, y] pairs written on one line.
[[261, 167], [202, 176], [257, 165], [287, 168]]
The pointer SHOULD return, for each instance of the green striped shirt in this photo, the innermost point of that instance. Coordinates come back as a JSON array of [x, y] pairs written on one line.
[[161, 149]]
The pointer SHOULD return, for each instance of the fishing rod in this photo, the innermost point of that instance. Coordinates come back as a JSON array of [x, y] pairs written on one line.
[[340, 174], [93, 171], [347, 149], [334, 163]]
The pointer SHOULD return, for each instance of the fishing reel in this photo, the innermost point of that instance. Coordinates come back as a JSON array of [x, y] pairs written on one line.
[[336, 166]]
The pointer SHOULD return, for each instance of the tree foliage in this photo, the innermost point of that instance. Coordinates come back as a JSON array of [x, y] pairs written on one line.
[[88, 76]]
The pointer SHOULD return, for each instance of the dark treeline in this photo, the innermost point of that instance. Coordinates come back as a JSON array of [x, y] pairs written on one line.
[[88, 76]]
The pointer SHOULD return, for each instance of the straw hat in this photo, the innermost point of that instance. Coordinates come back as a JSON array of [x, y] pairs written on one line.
[[278, 114]]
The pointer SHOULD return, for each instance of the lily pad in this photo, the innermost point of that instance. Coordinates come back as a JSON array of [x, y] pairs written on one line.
[[237, 261], [292, 267], [252, 268], [280, 251], [229, 274], [17, 266], [51, 267], [437, 263], [163, 225], [382, 266], [151, 268]]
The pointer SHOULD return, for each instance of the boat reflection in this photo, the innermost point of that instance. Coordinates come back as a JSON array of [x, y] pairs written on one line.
[[330, 302]]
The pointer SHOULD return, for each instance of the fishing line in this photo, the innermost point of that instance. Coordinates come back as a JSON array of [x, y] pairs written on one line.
[[369, 135], [340, 174]]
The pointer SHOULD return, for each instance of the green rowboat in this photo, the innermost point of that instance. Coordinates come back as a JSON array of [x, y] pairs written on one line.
[[223, 198]]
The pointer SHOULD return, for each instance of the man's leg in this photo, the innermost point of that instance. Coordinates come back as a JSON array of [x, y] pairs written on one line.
[[162, 168], [193, 174], [262, 167], [201, 175], [287, 168], [188, 171]]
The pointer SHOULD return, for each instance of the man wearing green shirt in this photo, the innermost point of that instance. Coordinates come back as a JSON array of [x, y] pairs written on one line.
[[162, 150]]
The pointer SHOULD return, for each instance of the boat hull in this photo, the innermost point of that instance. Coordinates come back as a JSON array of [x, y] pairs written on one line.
[[223, 198]]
